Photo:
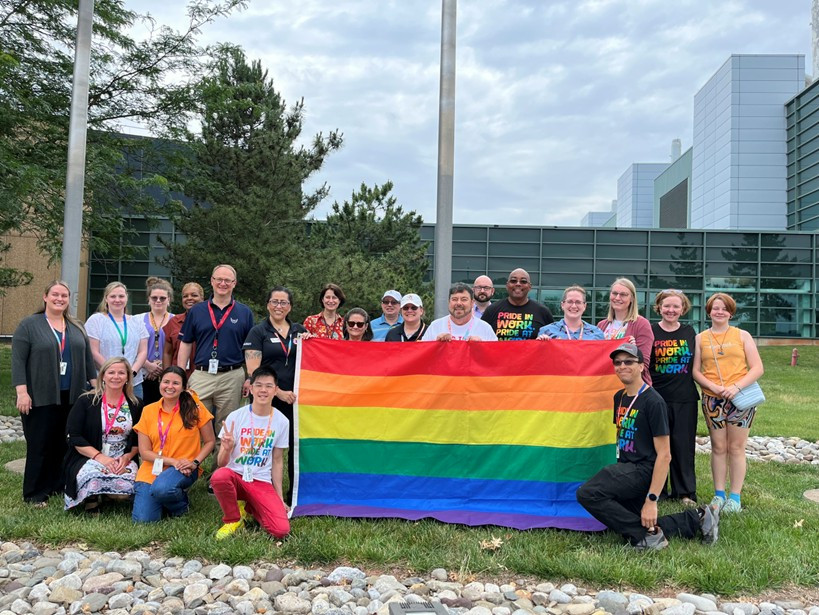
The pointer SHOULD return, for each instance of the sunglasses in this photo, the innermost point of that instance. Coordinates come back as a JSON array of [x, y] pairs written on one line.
[[618, 362], [158, 299], [356, 324], [410, 308], [389, 302]]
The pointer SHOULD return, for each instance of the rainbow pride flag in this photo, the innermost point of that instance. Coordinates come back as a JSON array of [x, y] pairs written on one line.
[[474, 433]]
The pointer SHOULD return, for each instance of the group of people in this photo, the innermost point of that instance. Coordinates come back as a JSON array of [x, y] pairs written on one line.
[[163, 386]]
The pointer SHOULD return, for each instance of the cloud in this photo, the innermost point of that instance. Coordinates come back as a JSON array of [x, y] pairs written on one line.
[[554, 100]]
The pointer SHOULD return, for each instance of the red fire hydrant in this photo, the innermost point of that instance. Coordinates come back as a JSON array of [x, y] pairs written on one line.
[[794, 357]]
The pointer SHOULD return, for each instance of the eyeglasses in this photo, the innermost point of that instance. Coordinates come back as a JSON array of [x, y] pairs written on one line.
[[522, 281], [158, 299], [484, 287], [355, 324], [264, 385], [223, 280], [279, 302], [617, 294], [619, 362], [410, 308], [388, 302], [573, 302]]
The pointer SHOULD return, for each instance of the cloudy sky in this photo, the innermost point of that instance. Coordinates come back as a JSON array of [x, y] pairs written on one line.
[[554, 99]]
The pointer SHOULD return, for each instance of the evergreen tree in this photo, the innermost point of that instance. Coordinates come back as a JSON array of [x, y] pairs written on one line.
[[245, 172]]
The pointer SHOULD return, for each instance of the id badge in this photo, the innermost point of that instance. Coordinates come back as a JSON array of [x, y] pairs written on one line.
[[63, 368], [157, 468], [106, 449], [247, 474], [188, 364], [213, 366]]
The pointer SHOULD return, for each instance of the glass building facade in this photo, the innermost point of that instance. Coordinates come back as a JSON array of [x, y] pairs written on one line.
[[773, 276], [802, 114]]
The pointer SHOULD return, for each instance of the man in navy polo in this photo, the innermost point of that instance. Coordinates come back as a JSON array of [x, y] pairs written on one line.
[[219, 328], [391, 315]]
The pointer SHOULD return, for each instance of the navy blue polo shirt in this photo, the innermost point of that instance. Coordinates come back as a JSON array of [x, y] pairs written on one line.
[[198, 328]]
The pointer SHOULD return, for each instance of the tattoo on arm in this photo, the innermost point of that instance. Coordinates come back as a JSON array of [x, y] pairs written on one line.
[[253, 354]]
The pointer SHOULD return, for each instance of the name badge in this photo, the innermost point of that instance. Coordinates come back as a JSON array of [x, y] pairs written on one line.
[[213, 366], [63, 368], [188, 364], [156, 470], [106, 449], [247, 474]]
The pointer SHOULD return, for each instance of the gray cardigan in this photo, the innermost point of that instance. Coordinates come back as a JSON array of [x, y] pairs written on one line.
[[35, 360]]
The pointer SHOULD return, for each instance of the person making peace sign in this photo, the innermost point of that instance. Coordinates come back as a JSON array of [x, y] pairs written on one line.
[[248, 483]]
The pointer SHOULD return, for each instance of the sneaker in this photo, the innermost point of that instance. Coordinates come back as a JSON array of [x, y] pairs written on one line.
[[652, 542], [709, 524], [717, 501], [228, 529], [731, 506], [210, 489]]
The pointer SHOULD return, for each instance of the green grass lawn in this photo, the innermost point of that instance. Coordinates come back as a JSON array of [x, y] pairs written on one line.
[[765, 548]]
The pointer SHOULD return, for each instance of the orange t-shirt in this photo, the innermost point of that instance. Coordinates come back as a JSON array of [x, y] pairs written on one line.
[[181, 443]]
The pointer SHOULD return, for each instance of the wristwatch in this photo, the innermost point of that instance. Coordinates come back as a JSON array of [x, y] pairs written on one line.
[[651, 497], [196, 462]]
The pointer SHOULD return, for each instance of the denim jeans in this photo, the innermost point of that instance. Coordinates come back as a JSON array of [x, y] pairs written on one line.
[[138, 390], [168, 491]]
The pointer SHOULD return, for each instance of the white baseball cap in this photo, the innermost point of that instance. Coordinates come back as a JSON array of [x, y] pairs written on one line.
[[392, 294], [411, 299]]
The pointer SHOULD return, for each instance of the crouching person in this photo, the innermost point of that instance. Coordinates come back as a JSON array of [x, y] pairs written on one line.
[[248, 482], [623, 496]]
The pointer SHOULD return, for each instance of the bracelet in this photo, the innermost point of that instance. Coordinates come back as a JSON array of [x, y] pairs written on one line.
[[97, 455]]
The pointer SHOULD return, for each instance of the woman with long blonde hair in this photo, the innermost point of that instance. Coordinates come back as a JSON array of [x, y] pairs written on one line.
[[624, 321]]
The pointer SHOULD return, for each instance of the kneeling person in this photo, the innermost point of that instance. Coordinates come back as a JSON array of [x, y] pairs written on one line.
[[623, 496], [248, 482]]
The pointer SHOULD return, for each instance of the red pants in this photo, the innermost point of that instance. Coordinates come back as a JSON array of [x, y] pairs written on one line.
[[261, 499]]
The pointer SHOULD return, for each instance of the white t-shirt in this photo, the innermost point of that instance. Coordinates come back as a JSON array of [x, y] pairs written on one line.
[[99, 327], [474, 326], [255, 441]]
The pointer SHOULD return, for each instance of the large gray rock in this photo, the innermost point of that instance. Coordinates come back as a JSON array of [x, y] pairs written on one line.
[[701, 603], [101, 582], [126, 567], [193, 594], [613, 602], [684, 608], [93, 603], [219, 572], [291, 603], [345, 572]]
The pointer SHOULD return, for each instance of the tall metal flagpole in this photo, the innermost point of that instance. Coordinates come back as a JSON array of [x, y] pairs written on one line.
[[75, 173], [446, 159]]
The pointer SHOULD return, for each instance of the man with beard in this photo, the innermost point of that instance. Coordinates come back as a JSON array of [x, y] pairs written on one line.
[[517, 317], [483, 289], [461, 323]]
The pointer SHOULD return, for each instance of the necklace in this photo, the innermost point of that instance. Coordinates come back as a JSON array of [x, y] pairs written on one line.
[[714, 340]]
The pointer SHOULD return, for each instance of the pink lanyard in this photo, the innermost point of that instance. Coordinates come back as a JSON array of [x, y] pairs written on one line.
[[110, 423], [164, 436]]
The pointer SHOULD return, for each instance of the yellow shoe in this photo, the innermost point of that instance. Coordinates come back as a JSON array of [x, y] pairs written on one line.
[[229, 529]]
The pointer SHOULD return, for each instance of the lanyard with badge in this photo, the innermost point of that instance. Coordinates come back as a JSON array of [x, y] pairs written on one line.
[[163, 437], [569, 333], [157, 329], [61, 342], [123, 334], [247, 469], [109, 421], [286, 349], [213, 364]]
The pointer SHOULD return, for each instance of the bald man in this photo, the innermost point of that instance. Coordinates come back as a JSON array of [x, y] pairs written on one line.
[[517, 317], [483, 289]]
